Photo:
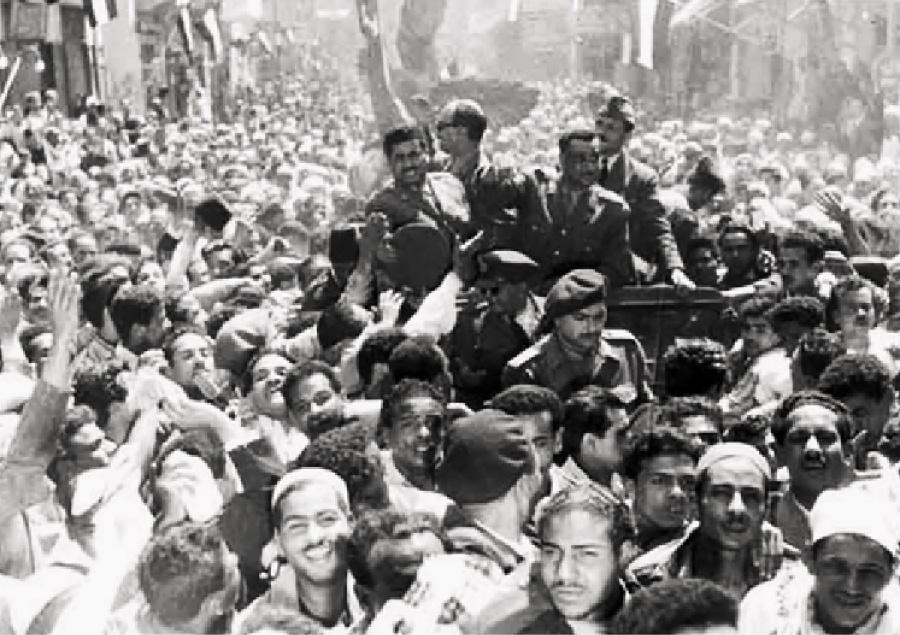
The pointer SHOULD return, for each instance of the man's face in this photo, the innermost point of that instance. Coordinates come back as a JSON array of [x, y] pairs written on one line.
[[314, 394], [507, 298], [417, 433], [856, 311], [451, 137], [703, 267], [612, 135], [152, 274], [733, 503], [268, 379], [602, 454], [737, 252], [812, 450], [538, 429], [581, 331], [758, 336], [702, 429], [132, 206], [580, 163], [869, 414], [37, 310], [796, 271], [191, 356], [221, 263], [851, 572], [578, 562], [665, 489], [58, 256], [16, 254], [407, 163], [85, 247], [313, 535]]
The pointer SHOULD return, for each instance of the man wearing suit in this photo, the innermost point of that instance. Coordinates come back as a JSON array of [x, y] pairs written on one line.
[[573, 223], [651, 234]]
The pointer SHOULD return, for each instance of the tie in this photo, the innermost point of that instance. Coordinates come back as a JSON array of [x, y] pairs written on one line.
[[604, 170]]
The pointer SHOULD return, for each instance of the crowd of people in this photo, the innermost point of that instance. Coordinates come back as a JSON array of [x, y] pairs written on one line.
[[305, 373]]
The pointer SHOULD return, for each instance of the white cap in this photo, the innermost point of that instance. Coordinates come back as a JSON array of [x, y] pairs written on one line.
[[853, 510], [311, 476]]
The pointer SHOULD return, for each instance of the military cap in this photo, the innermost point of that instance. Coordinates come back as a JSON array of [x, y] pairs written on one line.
[[619, 107], [506, 265], [574, 291]]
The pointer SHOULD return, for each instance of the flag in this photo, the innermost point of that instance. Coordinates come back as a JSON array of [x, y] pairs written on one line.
[[212, 34], [99, 12], [646, 20], [186, 30]]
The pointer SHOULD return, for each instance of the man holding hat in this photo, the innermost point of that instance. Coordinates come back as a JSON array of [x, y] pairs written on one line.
[[577, 350], [732, 481], [849, 584], [651, 234], [488, 335]]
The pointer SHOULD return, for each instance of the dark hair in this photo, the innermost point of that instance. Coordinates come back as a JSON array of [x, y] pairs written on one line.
[[272, 618], [749, 429], [526, 399], [344, 452], [586, 412], [566, 139], [781, 426], [677, 408], [168, 345], [809, 242], [657, 441], [97, 386], [98, 288], [468, 114], [337, 323], [754, 308], [739, 228], [368, 566], [401, 134], [803, 310], [700, 242], [855, 374], [402, 390], [202, 443], [180, 568], [133, 305], [694, 367], [303, 371], [377, 349], [817, 350], [672, 605], [418, 358], [33, 275], [592, 498]]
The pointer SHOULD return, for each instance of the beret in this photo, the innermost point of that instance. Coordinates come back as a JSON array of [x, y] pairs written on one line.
[[507, 265], [574, 291], [484, 455]]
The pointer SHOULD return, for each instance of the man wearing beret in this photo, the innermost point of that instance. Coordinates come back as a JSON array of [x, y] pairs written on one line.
[[651, 235], [732, 480], [577, 350], [573, 222], [488, 335], [490, 470]]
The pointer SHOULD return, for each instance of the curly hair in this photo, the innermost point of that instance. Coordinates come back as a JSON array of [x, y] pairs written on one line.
[[672, 605], [817, 350], [802, 310], [694, 367], [418, 358], [592, 498], [405, 389], [525, 399], [181, 567], [304, 371], [377, 349], [132, 305], [172, 336], [809, 242], [369, 565], [781, 424], [98, 387], [754, 308], [344, 452], [271, 618], [647, 444], [677, 408], [855, 374]]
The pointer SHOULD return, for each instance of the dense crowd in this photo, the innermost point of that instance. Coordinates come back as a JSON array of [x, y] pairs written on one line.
[[303, 372]]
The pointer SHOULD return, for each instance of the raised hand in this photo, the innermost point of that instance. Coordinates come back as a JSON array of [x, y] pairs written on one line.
[[389, 305]]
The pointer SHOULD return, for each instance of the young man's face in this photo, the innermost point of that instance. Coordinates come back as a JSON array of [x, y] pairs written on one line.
[[407, 163], [869, 414], [314, 394], [856, 311], [733, 503], [703, 267], [191, 356], [268, 379], [812, 451], [665, 489], [313, 534], [737, 252], [851, 572], [612, 135], [578, 562], [580, 163], [602, 454], [580, 331], [758, 336], [796, 270], [417, 433], [538, 429]]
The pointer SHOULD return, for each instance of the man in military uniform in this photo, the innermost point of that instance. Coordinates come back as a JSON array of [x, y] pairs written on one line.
[[415, 195], [490, 334], [652, 241], [571, 222], [578, 351]]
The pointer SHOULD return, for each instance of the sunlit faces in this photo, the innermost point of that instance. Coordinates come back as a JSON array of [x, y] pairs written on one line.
[[664, 490], [416, 433], [267, 377], [732, 503], [408, 164], [578, 562], [580, 331], [192, 355], [851, 571], [313, 533]]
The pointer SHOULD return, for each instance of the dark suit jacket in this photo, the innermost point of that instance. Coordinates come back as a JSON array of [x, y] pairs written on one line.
[[650, 231], [563, 232]]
